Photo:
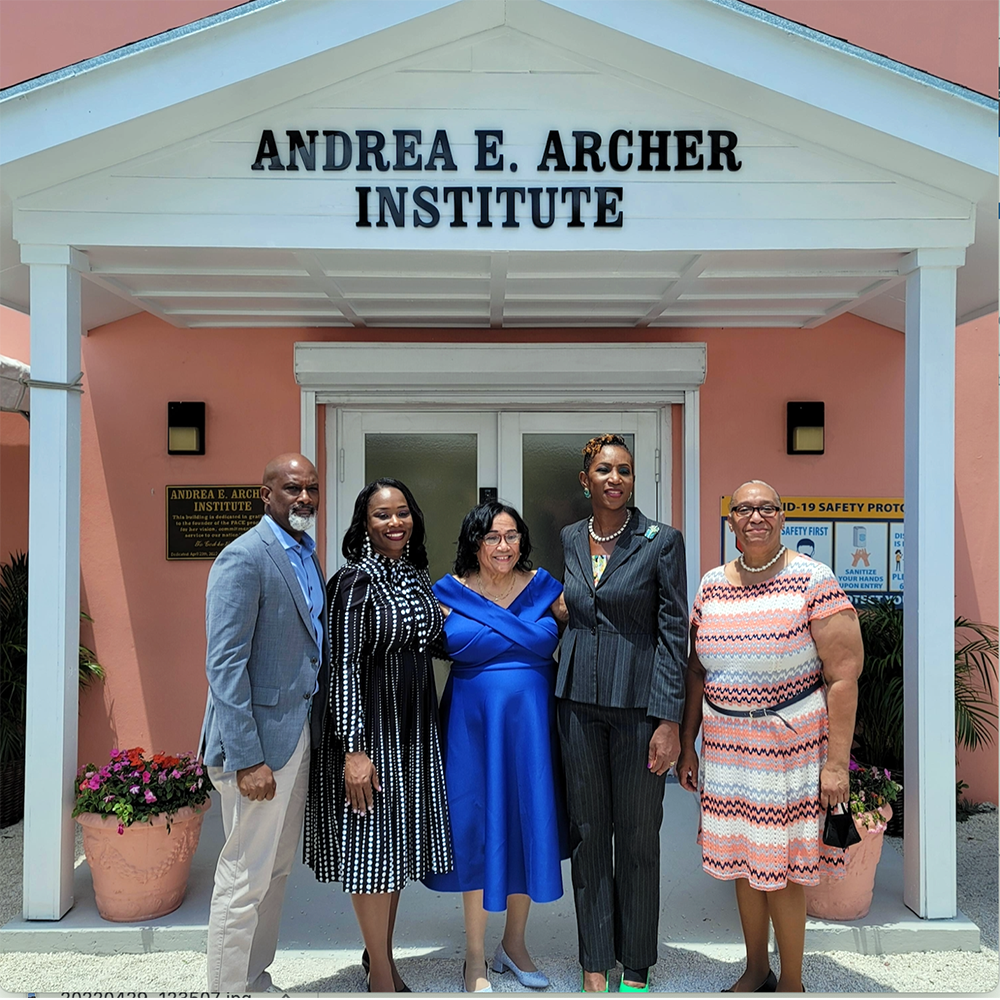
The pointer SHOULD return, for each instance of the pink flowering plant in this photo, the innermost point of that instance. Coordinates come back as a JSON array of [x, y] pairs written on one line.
[[135, 788], [871, 788]]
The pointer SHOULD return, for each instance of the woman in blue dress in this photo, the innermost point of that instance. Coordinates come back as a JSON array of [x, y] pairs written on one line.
[[502, 772]]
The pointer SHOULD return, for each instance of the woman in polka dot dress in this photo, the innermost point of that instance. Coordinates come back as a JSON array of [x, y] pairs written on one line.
[[377, 813]]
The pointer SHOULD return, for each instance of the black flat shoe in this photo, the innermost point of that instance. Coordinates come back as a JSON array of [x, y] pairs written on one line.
[[769, 985], [366, 964]]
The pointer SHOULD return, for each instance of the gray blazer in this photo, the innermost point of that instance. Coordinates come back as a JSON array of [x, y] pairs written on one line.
[[262, 660], [626, 642]]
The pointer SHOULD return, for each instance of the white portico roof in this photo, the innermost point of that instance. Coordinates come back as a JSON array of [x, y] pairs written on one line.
[[141, 159]]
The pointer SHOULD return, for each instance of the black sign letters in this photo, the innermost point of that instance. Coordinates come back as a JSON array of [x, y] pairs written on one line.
[[586, 151]]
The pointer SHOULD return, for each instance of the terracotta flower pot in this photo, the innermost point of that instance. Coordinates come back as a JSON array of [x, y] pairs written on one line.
[[143, 872], [850, 898]]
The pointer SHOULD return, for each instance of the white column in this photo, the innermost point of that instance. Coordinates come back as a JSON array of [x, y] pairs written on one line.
[[307, 424], [53, 580], [929, 602], [692, 489]]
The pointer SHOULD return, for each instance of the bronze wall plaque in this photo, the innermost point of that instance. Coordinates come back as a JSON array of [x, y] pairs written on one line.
[[203, 520]]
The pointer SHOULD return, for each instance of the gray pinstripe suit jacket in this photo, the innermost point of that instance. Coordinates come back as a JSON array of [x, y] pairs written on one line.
[[262, 660], [626, 642]]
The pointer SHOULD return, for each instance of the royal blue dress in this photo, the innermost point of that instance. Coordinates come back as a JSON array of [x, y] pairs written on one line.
[[501, 763]]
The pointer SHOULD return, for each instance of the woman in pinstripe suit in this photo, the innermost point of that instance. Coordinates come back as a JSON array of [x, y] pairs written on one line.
[[620, 687]]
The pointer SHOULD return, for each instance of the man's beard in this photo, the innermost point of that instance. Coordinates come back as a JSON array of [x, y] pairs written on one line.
[[301, 522]]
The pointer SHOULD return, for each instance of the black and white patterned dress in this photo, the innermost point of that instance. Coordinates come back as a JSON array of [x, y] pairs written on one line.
[[382, 616]]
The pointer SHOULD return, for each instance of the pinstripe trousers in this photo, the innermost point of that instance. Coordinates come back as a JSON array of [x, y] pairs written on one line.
[[615, 807]]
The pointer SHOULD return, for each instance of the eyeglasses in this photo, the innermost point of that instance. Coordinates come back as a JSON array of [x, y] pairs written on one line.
[[494, 538], [745, 510]]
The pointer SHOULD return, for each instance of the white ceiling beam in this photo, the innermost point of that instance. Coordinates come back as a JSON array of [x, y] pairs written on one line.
[[753, 296], [329, 287], [875, 288], [710, 324], [129, 296], [498, 288], [319, 313], [252, 323], [689, 275], [222, 293], [748, 313], [812, 272], [192, 270]]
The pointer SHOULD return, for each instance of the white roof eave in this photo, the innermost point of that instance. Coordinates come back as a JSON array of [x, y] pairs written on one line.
[[265, 52], [731, 37]]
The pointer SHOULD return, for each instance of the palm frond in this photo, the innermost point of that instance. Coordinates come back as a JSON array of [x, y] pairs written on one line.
[[879, 727], [14, 656]]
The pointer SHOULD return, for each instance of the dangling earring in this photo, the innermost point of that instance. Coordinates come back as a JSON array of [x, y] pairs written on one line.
[[586, 492], [406, 550], [366, 547], [630, 496]]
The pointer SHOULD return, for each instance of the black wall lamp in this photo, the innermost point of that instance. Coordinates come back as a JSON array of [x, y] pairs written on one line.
[[185, 428], [806, 434]]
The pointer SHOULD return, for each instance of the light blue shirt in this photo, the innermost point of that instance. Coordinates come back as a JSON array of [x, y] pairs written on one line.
[[300, 555]]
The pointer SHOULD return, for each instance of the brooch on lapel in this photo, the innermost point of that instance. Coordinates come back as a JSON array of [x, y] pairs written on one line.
[[652, 531]]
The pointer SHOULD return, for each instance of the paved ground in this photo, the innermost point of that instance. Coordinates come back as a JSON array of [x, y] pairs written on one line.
[[693, 968]]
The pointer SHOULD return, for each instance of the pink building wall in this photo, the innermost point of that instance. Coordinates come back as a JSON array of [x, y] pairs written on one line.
[[953, 39], [977, 528], [15, 336], [148, 612]]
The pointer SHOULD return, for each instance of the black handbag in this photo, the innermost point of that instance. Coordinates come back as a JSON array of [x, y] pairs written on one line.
[[839, 829]]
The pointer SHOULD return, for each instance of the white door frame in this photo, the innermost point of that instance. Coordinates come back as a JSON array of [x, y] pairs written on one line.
[[510, 377]]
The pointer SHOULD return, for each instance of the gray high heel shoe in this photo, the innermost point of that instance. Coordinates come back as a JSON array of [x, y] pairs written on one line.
[[533, 980]]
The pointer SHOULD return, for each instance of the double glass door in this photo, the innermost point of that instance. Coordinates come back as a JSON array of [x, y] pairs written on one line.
[[452, 459]]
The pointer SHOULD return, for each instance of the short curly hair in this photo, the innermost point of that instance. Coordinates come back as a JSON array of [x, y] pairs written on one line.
[[593, 447], [477, 525]]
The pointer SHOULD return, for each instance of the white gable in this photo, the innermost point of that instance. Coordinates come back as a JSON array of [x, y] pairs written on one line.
[[771, 191], [368, 148]]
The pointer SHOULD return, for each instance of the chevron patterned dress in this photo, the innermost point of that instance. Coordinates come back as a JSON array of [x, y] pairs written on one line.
[[760, 809]]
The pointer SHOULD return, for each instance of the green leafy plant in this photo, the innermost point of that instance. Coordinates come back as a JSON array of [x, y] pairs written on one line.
[[871, 788], [135, 788], [975, 672], [878, 728], [879, 722], [14, 657]]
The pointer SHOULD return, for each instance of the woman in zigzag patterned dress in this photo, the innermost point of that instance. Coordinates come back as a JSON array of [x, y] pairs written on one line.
[[771, 630]]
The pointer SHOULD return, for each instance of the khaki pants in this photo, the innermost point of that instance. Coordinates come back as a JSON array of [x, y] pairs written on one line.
[[261, 841]]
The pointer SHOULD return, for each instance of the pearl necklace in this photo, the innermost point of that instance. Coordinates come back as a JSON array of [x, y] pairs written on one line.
[[613, 535], [767, 565], [500, 597]]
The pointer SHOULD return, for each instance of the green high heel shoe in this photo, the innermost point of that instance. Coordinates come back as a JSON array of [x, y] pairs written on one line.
[[624, 987]]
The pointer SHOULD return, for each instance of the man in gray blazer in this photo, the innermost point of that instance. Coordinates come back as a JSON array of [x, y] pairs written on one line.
[[264, 614]]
